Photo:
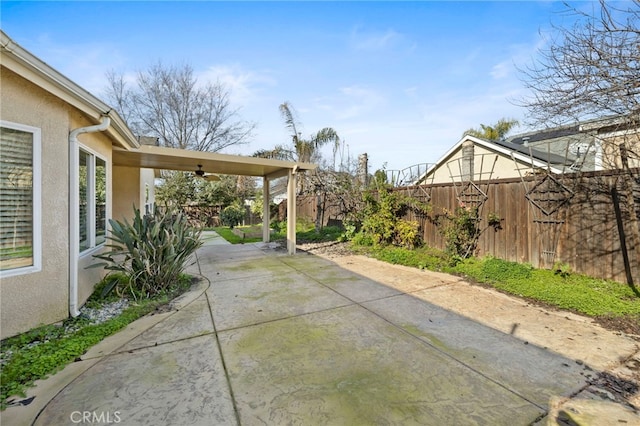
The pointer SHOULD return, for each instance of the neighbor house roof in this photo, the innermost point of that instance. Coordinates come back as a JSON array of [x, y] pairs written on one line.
[[28, 66], [536, 159], [531, 152]]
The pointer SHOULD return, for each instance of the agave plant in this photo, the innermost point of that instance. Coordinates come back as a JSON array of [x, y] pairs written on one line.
[[152, 251]]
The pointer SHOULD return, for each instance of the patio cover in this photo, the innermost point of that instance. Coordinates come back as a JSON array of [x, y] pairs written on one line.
[[160, 158]]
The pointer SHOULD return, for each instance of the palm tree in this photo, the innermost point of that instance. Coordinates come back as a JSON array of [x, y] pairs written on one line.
[[494, 133], [279, 152], [306, 149]]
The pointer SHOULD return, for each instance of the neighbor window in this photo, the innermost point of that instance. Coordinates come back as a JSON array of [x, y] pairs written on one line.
[[92, 172], [19, 198]]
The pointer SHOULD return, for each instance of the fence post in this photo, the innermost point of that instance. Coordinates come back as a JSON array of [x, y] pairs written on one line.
[[627, 187]]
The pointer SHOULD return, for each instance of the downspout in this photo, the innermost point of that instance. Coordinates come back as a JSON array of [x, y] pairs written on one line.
[[74, 209]]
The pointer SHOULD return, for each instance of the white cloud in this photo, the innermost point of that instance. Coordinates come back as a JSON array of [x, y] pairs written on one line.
[[519, 55], [85, 64], [351, 102], [244, 85], [502, 70], [375, 41]]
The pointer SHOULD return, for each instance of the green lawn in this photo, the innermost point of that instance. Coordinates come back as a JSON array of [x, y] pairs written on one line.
[[227, 233]]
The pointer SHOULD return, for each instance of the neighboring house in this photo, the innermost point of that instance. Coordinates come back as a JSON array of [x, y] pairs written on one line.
[[588, 146], [68, 164]]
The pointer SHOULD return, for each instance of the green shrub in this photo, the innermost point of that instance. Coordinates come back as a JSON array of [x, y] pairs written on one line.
[[503, 271], [328, 233], [232, 215], [382, 221], [407, 234], [362, 239], [351, 228], [151, 252]]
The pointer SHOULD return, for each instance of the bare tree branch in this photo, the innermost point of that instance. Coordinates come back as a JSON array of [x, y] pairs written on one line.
[[589, 70], [168, 103]]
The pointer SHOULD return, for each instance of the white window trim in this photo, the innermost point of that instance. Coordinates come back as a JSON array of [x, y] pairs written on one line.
[[37, 200], [91, 217]]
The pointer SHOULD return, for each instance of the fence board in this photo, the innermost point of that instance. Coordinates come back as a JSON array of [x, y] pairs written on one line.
[[589, 240]]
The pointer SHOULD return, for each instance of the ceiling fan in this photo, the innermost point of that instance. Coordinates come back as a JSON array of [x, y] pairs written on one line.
[[206, 176]]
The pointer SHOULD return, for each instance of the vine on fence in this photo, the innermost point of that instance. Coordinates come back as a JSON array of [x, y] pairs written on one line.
[[461, 230]]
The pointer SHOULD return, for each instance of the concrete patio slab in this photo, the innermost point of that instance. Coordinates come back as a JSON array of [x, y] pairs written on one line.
[[230, 252], [240, 269], [177, 384], [558, 331], [212, 238], [300, 340], [347, 366], [353, 286], [573, 336], [193, 320], [262, 298], [523, 368]]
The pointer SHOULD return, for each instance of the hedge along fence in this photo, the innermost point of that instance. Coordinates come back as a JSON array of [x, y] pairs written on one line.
[[598, 236]]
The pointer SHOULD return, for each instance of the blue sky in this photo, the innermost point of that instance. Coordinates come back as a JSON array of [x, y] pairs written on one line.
[[398, 80]]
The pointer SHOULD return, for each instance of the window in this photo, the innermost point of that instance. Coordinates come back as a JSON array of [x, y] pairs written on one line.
[[19, 199], [92, 172]]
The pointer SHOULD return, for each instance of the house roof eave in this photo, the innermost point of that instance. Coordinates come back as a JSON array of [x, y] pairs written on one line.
[[30, 67]]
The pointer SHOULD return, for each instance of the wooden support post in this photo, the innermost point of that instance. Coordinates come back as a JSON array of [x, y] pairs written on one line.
[[266, 211], [291, 213]]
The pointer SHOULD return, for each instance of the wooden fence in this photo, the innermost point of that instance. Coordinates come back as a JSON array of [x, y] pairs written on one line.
[[595, 231]]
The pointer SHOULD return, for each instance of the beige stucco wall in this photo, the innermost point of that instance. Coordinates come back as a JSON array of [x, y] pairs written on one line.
[[98, 144], [41, 297], [131, 184], [484, 167]]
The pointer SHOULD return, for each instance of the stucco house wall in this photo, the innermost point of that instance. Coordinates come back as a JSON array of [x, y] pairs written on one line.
[[35, 98], [30, 299], [40, 297], [135, 188]]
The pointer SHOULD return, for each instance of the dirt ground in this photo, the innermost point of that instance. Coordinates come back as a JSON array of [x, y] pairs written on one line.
[[629, 325], [616, 379]]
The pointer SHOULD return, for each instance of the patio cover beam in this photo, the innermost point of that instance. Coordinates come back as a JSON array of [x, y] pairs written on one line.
[[161, 158]]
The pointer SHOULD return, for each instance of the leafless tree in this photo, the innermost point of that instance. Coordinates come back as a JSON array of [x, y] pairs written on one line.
[[588, 70], [592, 70], [168, 102]]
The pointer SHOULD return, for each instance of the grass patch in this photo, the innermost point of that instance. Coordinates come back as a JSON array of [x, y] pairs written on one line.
[[44, 350], [227, 233], [328, 233], [574, 292], [422, 257], [305, 233]]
